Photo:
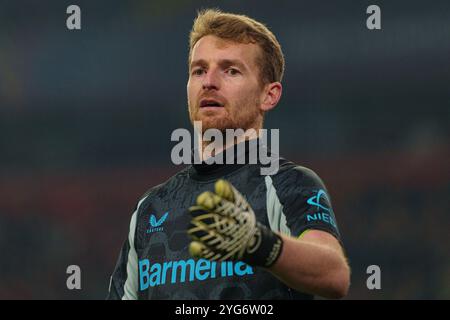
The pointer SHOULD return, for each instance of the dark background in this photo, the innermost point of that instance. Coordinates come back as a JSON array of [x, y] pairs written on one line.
[[86, 118]]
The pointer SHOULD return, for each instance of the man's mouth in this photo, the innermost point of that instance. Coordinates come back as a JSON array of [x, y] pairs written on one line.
[[210, 103]]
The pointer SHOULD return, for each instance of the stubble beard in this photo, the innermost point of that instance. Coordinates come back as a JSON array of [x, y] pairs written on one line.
[[252, 118]]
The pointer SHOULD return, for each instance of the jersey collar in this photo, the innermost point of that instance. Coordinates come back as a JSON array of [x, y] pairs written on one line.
[[204, 171]]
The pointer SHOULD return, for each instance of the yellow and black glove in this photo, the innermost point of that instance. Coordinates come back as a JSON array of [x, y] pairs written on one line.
[[224, 227]]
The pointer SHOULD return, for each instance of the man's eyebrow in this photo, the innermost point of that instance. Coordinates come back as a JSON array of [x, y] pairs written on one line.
[[199, 62], [232, 62], [222, 63]]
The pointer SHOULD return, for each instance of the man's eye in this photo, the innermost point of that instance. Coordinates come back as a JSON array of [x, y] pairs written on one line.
[[197, 72], [233, 72]]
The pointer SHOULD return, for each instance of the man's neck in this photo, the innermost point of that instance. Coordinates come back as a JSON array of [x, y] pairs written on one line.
[[218, 147]]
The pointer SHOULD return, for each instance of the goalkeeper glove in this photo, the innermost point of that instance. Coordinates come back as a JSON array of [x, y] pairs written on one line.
[[224, 227]]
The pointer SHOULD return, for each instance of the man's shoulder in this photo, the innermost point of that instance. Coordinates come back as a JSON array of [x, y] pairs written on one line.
[[293, 173], [290, 168]]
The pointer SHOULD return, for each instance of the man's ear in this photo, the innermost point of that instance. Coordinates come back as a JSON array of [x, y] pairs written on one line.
[[272, 94]]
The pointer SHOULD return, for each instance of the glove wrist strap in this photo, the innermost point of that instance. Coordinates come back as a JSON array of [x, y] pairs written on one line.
[[266, 249]]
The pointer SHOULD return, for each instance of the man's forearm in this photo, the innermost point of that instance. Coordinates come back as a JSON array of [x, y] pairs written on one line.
[[312, 268]]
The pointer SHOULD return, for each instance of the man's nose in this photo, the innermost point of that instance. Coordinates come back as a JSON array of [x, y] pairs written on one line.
[[211, 80]]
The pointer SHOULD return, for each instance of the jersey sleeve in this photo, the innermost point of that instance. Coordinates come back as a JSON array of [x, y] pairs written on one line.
[[297, 200], [118, 278], [124, 280]]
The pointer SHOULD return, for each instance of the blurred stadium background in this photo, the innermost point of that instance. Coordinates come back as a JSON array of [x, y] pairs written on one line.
[[86, 117]]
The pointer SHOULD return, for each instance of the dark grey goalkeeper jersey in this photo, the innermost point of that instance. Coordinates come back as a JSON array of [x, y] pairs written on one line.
[[154, 262]]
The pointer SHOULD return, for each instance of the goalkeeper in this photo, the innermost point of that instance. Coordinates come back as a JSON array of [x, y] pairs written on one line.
[[224, 231]]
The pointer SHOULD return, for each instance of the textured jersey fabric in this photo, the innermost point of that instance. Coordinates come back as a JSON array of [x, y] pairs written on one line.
[[154, 262]]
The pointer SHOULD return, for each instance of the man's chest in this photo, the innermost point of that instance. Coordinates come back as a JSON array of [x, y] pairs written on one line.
[[163, 222]]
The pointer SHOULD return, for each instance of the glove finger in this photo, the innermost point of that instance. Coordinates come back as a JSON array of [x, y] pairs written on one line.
[[207, 224], [197, 231], [202, 218], [200, 250], [208, 200], [224, 189], [196, 249], [200, 233]]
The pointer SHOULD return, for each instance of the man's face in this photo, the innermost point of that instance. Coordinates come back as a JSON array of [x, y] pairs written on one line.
[[224, 91]]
